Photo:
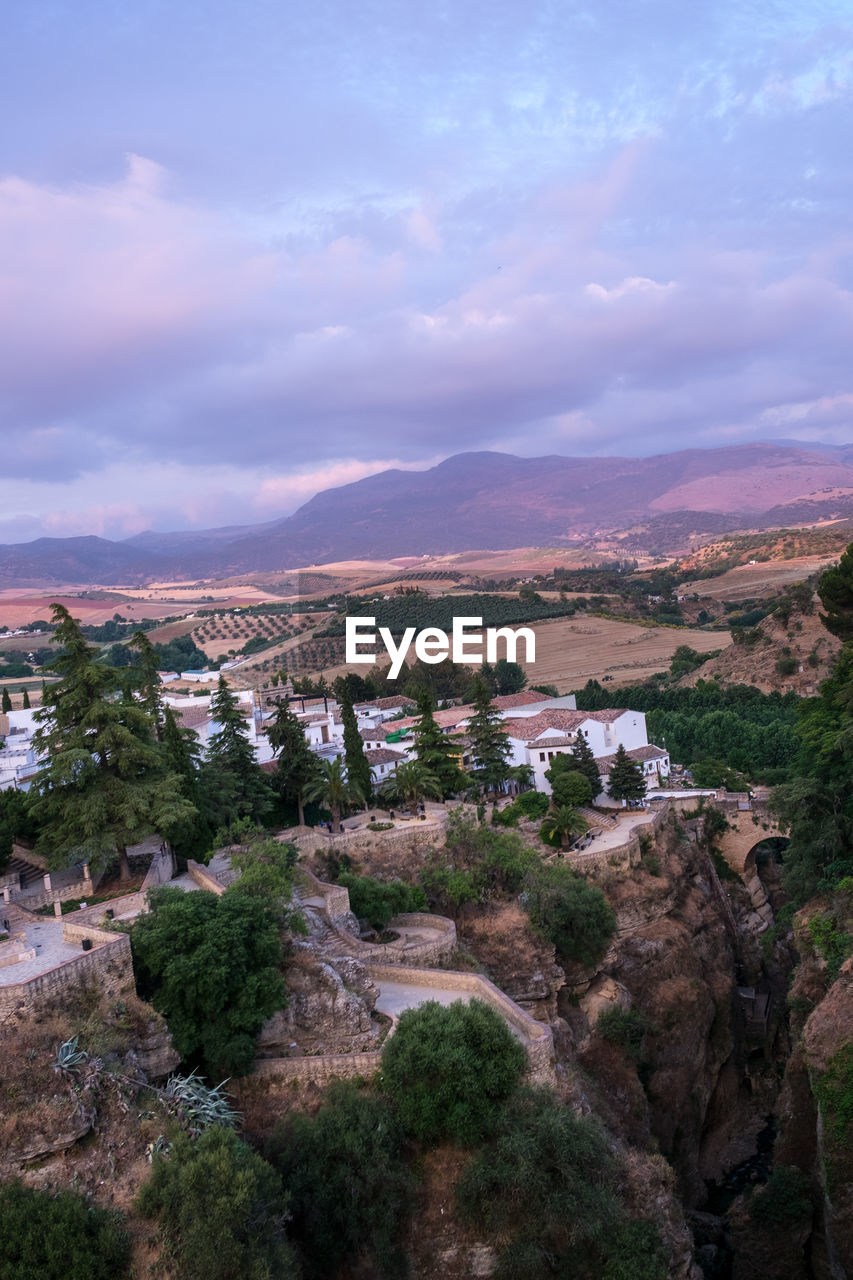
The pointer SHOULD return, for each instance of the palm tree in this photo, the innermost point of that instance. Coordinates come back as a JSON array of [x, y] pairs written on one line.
[[411, 782], [333, 789], [564, 822]]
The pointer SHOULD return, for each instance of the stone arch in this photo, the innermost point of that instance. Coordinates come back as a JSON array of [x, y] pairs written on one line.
[[746, 830]]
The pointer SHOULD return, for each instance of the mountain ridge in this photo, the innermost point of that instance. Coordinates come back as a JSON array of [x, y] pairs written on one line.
[[474, 499]]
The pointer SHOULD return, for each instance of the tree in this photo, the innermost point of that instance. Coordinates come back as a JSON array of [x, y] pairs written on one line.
[[266, 874], [147, 681], [347, 1179], [448, 1068], [490, 747], [26, 700], [358, 768], [569, 787], [569, 912], [235, 784], [411, 782], [6, 701], [332, 788], [583, 760], [550, 1183], [221, 1209], [563, 823], [297, 763], [210, 966], [626, 780], [378, 901], [835, 589], [103, 783], [59, 1236], [509, 677], [16, 822], [434, 748]]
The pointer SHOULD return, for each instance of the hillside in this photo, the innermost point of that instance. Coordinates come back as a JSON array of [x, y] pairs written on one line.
[[658, 505], [765, 660]]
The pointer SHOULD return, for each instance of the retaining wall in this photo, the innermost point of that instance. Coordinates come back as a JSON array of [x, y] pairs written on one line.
[[108, 965], [204, 879]]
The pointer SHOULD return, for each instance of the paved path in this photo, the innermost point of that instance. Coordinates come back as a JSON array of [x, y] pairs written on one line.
[[51, 950], [395, 997]]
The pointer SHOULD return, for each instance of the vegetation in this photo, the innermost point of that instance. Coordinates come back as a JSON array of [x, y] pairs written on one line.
[[411, 782], [418, 609], [210, 966], [625, 1028], [448, 1068], [490, 748], [833, 1090], [235, 786], [571, 913], [550, 1181], [297, 763], [349, 1188], [358, 769], [626, 781], [221, 1210], [785, 1200], [59, 1236], [529, 805], [435, 751], [331, 787], [103, 784], [477, 864], [562, 823], [377, 901]]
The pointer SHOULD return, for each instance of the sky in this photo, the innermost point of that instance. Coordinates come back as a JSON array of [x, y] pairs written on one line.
[[250, 250]]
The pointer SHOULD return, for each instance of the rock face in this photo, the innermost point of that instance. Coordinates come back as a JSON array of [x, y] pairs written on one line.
[[155, 1054], [330, 1003], [516, 959]]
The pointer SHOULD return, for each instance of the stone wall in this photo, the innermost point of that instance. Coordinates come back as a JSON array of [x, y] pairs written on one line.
[[318, 1069], [108, 965], [161, 870], [204, 879], [415, 836], [96, 914], [335, 896], [598, 863]]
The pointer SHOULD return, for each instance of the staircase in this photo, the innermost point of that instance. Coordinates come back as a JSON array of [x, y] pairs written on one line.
[[598, 819]]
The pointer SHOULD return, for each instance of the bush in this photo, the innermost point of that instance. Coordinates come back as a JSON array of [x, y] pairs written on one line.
[[570, 912], [550, 1181], [533, 804], [625, 1028], [59, 1237], [210, 966], [377, 900], [220, 1208], [349, 1187], [784, 1200], [478, 863], [448, 1069], [786, 666]]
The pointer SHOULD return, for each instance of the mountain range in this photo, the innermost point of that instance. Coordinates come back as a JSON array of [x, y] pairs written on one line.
[[471, 501]]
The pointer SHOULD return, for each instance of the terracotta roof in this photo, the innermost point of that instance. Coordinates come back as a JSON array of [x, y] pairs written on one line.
[[608, 714], [524, 699], [383, 704], [540, 743], [649, 752], [382, 755], [192, 717], [526, 728], [379, 731]]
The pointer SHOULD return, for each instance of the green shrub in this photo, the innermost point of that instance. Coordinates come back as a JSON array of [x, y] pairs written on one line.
[[784, 1201], [569, 912], [533, 804], [448, 1069], [550, 1180], [378, 900], [349, 1186], [59, 1237], [625, 1028], [832, 941], [221, 1210], [834, 1093], [210, 966]]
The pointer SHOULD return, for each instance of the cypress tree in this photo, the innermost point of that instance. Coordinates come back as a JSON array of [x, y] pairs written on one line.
[[358, 766], [182, 753], [6, 703], [435, 751], [26, 702], [584, 762], [490, 746], [626, 781]]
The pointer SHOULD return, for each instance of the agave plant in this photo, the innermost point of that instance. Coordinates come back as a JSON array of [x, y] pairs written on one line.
[[159, 1147], [198, 1105], [69, 1060]]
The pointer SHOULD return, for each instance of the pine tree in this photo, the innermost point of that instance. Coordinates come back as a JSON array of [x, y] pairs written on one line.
[[490, 747], [435, 750], [297, 763], [626, 781], [584, 762], [104, 783], [235, 786], [358, 766], [26, 702], [6, 702]]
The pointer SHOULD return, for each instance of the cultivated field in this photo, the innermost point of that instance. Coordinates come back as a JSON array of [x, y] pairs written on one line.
[[756, 580]]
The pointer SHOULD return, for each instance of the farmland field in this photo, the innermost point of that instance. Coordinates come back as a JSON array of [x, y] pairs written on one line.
[[756, 580]]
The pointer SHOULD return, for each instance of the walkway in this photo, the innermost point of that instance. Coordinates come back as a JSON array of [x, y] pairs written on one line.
[[396, 997], [50, 948]]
